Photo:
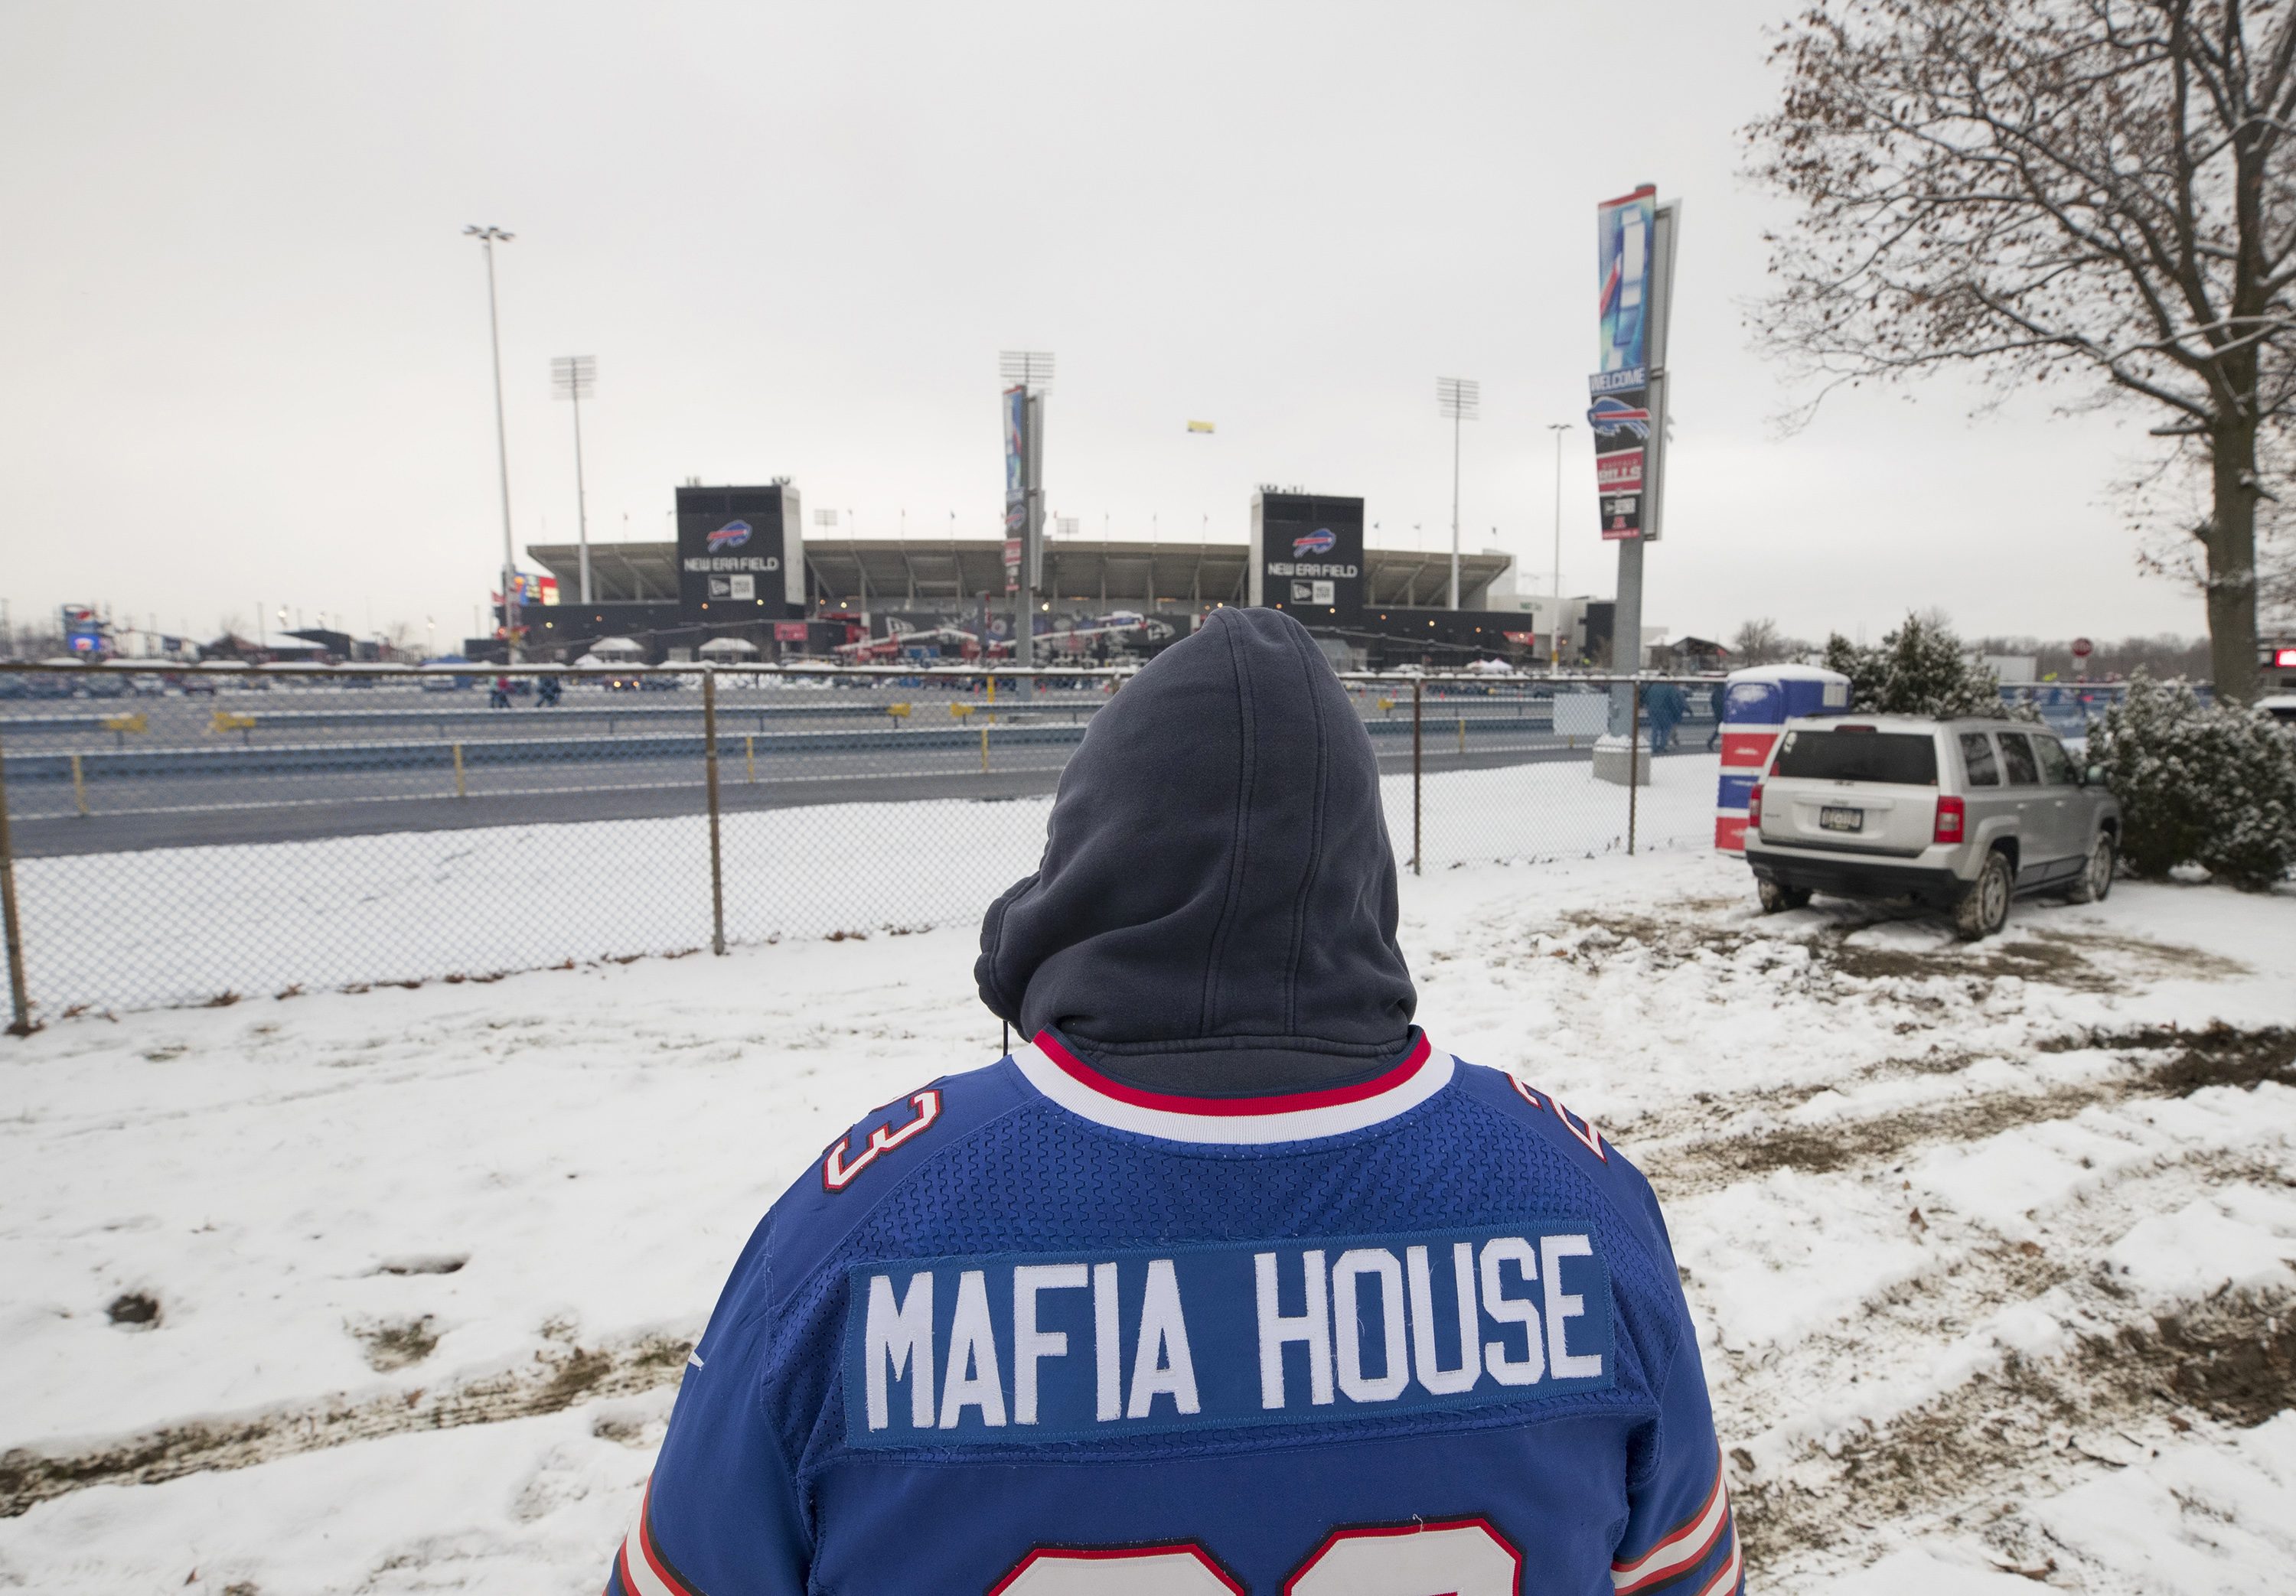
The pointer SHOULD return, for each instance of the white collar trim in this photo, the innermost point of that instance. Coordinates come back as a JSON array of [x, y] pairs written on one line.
[[1084, 1092]]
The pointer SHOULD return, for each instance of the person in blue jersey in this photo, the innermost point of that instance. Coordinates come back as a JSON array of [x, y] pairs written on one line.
[[1230, 1277]]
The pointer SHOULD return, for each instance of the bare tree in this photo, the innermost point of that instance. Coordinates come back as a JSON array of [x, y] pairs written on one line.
[[1760, 642], [403, 640], [2096, 191]]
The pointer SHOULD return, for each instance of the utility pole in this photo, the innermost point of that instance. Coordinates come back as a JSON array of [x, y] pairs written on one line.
[[1458, 398], [488, 238], [1555, 621], [573, 376]]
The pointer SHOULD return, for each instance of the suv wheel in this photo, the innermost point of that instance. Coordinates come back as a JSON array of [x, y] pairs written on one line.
[[1984, 908], [2096, 879], [1776, 899]]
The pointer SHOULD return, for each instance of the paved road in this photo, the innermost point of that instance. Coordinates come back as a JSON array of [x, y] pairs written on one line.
[[673, 790], [301, 766]]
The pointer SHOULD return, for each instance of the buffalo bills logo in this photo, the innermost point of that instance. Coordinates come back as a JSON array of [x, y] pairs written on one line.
[[1318, 542], [1611, 418], [732, 535]]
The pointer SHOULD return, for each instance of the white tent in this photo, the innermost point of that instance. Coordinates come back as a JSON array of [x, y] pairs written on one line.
[[728, 647], [617, 649]]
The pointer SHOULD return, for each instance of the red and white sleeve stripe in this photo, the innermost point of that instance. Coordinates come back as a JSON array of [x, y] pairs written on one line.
[[1685, 1546], [644, 1571]]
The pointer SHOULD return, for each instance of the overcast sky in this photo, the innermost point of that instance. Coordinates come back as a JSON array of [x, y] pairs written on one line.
[[244, 345]]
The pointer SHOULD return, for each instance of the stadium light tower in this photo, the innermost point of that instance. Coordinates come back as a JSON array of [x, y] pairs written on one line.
[[488, 237], [572, 377], [1031, 368], [1459, 399]]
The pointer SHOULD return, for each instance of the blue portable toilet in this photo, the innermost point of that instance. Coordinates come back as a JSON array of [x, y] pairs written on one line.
[[1758, 702]]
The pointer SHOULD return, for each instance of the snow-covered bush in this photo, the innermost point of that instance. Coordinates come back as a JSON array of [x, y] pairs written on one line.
[[1919, 670], [2207, 784]]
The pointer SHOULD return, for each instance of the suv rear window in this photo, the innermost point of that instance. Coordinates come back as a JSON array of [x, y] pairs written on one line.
[[1906, 758]]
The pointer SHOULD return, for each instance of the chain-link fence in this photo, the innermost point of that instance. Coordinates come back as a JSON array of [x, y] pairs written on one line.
[[207, 834]]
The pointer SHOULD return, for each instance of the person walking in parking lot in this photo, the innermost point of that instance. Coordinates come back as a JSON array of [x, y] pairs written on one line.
[[1721, 697], [1662, 705]]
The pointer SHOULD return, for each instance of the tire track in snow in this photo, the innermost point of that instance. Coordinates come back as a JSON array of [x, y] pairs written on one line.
[[1681, 1164], [2021, 1367], [563, 1373]]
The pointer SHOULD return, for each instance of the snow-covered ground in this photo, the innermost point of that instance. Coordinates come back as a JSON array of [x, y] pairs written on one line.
[[178, 926], [1992, 1245]]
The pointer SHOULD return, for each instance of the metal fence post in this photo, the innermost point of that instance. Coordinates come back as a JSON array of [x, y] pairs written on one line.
[[716, 855], [1417, 685], [19, 1000], [1634, 756]]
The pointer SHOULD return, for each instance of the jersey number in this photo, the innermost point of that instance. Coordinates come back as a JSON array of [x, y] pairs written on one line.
[[1458, 1557]]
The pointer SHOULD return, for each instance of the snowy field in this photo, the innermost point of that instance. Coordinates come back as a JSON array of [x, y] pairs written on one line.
[[1991, 1246], [169, 926]]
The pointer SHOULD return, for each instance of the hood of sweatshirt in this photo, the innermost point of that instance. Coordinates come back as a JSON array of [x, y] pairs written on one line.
[[1215, 911]]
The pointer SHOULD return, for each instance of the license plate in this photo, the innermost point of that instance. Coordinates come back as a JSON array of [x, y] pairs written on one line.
[[1836, 819]]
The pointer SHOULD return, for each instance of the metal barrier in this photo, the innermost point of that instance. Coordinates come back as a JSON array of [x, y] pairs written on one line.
[[209, 836]]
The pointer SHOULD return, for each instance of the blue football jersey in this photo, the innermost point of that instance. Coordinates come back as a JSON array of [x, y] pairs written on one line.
[[1033, 1330]]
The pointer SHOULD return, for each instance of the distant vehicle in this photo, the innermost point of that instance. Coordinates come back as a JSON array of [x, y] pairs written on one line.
[[888, 650], [443, 679], [1959, 814], [2281, 707]]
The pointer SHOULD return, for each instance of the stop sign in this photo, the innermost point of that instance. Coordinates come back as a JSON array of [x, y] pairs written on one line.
[[2080, 647]]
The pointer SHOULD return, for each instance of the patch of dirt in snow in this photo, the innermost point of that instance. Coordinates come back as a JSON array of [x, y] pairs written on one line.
[[2219, 1056], [563, 1374], [396, 1343], [1961, 1429], [2087, 962], [2084, 961], [2028, 1429]]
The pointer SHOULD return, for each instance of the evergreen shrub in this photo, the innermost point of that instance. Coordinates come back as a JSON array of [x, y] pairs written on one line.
[[1921, 668], [2206, 784]]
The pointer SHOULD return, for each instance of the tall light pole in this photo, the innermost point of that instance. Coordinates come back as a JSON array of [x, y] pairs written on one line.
[[572, 377], [488, 238], [1555, 621], [1458, 398]]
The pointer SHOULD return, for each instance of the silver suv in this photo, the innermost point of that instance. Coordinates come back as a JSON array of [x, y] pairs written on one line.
[[1959, 814]]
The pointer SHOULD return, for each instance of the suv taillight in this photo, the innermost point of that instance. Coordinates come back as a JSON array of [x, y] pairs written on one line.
[[1754, 804], [1949, 817]]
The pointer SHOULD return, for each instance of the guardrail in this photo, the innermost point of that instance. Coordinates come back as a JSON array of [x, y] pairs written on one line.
[[613, 715], [234, 759]]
